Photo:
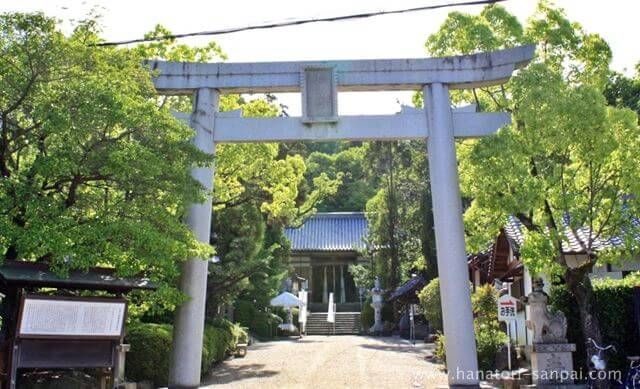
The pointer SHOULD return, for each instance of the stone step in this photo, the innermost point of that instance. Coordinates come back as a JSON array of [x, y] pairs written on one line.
[[345, 323]]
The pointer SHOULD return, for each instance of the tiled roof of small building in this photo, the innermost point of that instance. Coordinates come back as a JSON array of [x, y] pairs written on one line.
[[330, 231], [515, 233]]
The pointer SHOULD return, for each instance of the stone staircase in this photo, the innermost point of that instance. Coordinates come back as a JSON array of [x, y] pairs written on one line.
[[347, 323]]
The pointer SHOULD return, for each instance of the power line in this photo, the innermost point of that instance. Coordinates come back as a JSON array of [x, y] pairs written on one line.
[[297, 22]]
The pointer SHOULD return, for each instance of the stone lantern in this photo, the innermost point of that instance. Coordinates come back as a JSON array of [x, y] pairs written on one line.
[[376, 303]]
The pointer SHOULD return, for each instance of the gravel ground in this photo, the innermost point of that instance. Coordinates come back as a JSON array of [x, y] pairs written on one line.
[[331, 362]]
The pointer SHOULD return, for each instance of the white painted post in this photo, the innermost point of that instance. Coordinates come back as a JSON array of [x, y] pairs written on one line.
[[189, 321], [455, 295]]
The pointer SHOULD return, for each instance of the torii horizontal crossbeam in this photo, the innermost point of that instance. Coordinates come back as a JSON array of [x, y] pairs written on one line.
[[458, 72], [230, 127]]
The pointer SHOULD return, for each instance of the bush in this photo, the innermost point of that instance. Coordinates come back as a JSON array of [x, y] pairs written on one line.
[[239, 334], [216, 343], [262, 324], [489, 337], [489, 340], [244, 312], [439, 351], [150, 352], [429, 298], [148, 359], [614, 300]]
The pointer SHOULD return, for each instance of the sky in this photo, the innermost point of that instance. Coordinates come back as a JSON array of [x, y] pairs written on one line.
[[390, 36]]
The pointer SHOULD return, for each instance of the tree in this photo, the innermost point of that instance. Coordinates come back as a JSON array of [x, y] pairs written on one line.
[[93, 171], [400, 215], [622, 91], [347, 166], [567, 163]]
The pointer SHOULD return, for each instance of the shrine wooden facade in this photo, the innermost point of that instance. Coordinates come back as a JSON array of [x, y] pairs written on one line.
[[322, 250]]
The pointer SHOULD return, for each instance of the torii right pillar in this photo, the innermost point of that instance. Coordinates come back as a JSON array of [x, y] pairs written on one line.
[[462, 364]]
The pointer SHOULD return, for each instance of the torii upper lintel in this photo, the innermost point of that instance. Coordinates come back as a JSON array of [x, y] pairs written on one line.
[[458, 72]]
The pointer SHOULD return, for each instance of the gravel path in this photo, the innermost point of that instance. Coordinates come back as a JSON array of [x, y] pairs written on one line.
[[331, 362]]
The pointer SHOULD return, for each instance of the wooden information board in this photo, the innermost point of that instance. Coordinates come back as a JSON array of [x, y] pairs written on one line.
[[63, 317]]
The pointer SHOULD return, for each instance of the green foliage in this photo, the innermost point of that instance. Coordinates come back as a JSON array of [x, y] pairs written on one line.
[[238, 333], [484, 302], [566, 152], [490, 338], [259, 322], [347, 167], [400, 215], [94, 171], [615, 311], [429, 298], [367, 314], [566, 161], [439, 351], [621, 91], [149, 357], [150, 352], [362, 275]]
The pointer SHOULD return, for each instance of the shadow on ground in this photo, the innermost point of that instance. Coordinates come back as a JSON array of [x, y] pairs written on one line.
[[391, 344], [224, 374]]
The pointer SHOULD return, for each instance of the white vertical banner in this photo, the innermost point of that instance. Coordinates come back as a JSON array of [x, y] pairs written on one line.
[[331, 313], [302, 316]]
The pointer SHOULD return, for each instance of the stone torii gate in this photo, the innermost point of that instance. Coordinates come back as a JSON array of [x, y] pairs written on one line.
[[319, 82]]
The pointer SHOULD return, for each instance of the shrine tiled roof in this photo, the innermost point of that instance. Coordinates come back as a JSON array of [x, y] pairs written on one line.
[[408, 290], [514, 231], [330, 231]]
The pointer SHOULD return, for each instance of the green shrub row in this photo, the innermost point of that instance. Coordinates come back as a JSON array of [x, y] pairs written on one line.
[[149, 357], [262, 324], [614, 300]]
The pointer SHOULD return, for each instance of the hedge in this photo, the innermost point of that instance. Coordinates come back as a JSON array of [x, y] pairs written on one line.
[[262, 324], [150, 353], [148, 359], [614, 300]]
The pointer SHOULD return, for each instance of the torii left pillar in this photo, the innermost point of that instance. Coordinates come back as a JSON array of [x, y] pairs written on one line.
[[189, 321]]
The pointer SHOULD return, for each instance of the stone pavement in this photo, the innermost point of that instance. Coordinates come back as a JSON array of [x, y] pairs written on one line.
[[331, 362]]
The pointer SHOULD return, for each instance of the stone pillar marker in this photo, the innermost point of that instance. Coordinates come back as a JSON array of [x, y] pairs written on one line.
[[455, 295], [189, 320]]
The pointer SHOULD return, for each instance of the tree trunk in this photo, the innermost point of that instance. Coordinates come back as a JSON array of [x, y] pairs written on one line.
[[580, 286]]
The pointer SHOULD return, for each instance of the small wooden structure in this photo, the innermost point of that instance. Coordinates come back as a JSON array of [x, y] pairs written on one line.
[[49, 322]]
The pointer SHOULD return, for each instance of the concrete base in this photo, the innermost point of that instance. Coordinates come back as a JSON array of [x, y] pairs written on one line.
[[552, 364]]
